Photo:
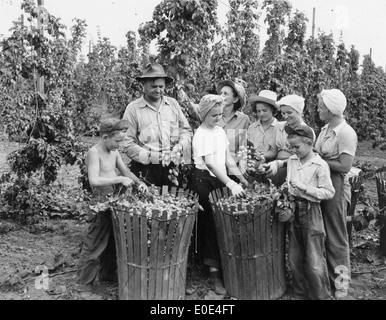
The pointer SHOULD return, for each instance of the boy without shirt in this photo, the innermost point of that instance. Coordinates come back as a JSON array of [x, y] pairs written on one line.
[[98, 256]]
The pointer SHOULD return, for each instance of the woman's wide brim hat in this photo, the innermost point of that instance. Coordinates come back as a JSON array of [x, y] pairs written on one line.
[[266, 96], [155, 70], [236, 86]]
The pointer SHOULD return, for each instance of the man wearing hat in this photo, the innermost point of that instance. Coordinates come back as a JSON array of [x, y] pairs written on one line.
[[234, 121], [158, 129], [98, 256], [308, 181]]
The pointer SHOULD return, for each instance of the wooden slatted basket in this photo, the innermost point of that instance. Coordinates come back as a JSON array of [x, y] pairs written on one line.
[[252, 248], [152, 249]]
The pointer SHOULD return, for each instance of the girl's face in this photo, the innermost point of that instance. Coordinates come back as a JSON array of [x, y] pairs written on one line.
[[324, 113], [229, 97], [290, 115], [214, 116], [263, 112]]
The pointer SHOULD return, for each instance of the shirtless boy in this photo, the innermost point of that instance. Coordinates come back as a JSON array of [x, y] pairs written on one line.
[[98, 256]]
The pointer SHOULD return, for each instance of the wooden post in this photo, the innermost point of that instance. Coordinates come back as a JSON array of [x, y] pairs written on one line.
[[371, 51], [40, 81], [313, 23]]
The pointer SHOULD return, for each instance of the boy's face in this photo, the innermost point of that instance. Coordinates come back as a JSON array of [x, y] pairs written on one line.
[[112, 142], [299, 147]]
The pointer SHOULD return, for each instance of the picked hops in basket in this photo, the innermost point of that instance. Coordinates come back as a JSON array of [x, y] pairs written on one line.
[[174, 202], [255, 195]]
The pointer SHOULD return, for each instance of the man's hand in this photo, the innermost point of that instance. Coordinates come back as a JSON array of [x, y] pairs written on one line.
[[176, 154]]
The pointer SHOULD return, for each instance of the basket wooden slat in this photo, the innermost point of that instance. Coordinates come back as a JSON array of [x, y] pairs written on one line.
[[160, 251], [144, 255], [251, 253], [275, 238], [259, 255], [137, 258], [242, 240], [153, 252], [264, 239], [166, 276]]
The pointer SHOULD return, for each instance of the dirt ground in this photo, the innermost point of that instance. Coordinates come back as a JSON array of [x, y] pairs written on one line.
[[39, 262]]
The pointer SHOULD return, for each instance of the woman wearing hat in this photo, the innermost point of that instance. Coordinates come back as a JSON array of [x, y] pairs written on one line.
[[157, 126], [336, 143], [213, 161], [234, 121], [261, 134], [291, 108]]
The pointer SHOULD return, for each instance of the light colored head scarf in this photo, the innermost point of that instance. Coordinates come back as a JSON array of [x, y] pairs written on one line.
[[294, 101], [207, 103], [335, 101]]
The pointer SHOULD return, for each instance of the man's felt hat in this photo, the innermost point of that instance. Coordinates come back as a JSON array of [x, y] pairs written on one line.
[[155, 70]]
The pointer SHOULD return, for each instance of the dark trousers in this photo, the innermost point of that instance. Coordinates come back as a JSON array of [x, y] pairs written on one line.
[[337, 244], [307, 253], [202, 184], [279, 178], [98, 255], [154, 174]]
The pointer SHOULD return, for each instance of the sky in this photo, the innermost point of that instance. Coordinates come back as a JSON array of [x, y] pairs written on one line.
[[360, 23]]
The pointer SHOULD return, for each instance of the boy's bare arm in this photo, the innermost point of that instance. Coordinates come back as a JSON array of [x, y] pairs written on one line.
[[126, 171]]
